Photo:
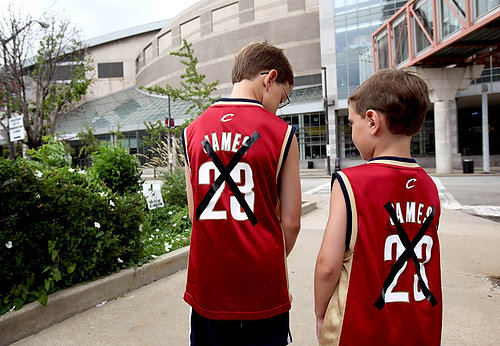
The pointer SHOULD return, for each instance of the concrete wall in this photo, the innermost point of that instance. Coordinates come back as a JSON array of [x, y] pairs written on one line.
[[296, 30], [123, 50]]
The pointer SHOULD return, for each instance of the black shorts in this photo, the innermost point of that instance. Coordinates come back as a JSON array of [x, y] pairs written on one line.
[[273, 331]]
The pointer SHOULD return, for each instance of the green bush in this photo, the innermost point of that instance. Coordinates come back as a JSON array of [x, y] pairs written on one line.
[[52, 154], [116, 168], [174, 187], [59, 228], [165, 229]]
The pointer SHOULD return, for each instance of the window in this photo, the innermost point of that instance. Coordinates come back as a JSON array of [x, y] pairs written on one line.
[[164, 42], [191, 29], [110, 70], [225, 18], [148, 54]]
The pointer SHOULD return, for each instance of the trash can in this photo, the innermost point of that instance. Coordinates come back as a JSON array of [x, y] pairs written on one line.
[[310, 164], [468, 166]]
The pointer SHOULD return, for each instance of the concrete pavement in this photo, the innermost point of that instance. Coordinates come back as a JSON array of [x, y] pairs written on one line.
[[156, 315]]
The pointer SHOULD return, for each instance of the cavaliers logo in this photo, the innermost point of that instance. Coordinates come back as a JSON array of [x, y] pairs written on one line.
[[227, 117]]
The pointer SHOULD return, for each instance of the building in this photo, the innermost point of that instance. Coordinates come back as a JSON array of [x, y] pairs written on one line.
[[315, 34]]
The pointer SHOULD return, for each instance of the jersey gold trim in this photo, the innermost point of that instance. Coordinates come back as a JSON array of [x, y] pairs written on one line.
[[237, 103], [283, 148], [395, 163], [334, 316]]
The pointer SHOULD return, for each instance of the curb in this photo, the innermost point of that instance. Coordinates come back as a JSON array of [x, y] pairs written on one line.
[[63, 304]]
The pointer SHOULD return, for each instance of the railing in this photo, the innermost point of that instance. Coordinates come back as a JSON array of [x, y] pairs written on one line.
[[420, 28]]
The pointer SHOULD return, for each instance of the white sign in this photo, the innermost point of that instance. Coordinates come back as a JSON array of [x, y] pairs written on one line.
[[16, 129], [152, 192], [328, 150]]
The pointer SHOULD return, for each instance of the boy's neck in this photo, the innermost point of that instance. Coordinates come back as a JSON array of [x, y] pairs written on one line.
[[246, 89], [393, 145]]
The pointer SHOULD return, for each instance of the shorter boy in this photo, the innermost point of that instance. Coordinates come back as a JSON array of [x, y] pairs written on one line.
[[377, 277]]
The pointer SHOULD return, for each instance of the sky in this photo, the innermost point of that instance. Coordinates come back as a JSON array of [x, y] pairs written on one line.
[[99, 17]]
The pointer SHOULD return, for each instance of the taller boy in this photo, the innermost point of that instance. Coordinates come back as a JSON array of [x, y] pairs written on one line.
[[243, 186]]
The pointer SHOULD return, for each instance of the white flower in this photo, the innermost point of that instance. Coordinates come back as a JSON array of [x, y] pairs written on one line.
[[174, 225], [167, 246], [186, 230], [170, 213], [111, 203], [157, 230], [102, 194], [154, 256], [185, 216], [97, 224], [8, 245], [150, 238], [71, 170], [38, 174], [81, 172], [140, 227], [120, 260]]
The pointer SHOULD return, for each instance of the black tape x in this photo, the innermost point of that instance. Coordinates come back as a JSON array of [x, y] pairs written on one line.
[[225, 176], [408, 253]]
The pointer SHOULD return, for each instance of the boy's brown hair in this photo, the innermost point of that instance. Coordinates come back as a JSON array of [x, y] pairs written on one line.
[[402, 96], [260, 57]]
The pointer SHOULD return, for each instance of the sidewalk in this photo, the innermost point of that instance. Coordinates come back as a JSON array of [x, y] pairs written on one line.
[[156, 314]]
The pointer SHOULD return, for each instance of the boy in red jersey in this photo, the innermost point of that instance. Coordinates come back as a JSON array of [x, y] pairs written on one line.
[[377, 278], [243, 185]]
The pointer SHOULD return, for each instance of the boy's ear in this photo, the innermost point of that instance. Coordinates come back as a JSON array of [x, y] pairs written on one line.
[[375, 120], [270, 78]]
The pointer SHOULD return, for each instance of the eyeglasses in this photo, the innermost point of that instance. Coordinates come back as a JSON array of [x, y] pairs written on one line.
[[284, 102]]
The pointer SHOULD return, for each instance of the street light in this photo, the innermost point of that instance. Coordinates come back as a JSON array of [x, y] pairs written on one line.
[[325, 106]]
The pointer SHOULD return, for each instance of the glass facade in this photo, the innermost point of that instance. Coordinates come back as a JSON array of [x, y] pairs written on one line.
[[311, 134], [355, 20]]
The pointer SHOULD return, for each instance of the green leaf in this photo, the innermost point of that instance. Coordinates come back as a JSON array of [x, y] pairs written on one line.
[[42, 297], [47, 284], [54, 255], [52, 244], [71, 268], [57, 274]]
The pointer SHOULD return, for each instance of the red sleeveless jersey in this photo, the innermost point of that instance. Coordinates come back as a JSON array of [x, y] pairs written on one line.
[[237, 270], [373, 247]]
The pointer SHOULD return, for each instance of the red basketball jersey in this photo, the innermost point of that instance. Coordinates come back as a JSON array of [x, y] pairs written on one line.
[[373, 247], [237, 270]]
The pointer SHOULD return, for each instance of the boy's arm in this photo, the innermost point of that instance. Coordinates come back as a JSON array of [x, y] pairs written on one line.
[[290, 197], [189, 191], [330, 256]]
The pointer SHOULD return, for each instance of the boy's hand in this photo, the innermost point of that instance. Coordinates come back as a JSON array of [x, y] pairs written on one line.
[[319, 326]]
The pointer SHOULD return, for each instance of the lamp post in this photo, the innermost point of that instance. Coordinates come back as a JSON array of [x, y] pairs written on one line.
[[4, 52], [325, 106]]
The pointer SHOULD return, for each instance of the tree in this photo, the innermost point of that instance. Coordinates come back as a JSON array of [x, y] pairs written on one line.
[[193, 87], [48, 84]]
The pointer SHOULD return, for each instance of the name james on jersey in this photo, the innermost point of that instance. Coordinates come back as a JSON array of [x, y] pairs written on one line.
[[414, 212], [226, 141]]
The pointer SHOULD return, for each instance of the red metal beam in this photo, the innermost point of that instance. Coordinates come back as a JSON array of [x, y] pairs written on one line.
[[455, 38], [421, 25], [410, 32], [456, 13]]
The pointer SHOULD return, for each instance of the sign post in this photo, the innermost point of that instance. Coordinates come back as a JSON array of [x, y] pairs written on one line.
[[16, 129]]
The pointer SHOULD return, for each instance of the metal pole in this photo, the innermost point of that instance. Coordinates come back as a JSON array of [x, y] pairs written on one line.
[[325, 105], [169, 135], [486, 139]]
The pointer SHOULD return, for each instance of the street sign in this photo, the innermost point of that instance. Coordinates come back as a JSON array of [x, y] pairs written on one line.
[[152, 192], [328, 150], [16, 129]]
